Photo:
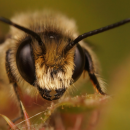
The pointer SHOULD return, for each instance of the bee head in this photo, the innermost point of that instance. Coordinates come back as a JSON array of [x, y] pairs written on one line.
[[48, 61], [51, 61], [48, 67]]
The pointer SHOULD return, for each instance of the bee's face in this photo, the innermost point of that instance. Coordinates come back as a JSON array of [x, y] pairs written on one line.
[[51, 72]]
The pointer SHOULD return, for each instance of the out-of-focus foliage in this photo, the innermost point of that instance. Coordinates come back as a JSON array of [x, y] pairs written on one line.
[[117, 114], [82, 105]]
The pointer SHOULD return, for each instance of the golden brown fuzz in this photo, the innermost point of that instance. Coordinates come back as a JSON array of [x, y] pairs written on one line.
[[54, 69]]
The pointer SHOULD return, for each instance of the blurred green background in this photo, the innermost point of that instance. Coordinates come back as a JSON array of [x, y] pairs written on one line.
[[111, 47]]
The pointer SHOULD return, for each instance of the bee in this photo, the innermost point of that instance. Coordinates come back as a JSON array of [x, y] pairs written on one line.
[[44, 54]]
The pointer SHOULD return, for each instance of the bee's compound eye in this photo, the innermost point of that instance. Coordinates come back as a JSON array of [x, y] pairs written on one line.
[[25, 61], [79, 60]]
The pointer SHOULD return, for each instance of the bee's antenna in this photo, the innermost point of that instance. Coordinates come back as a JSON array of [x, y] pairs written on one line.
[[91, 33], [28, 31]]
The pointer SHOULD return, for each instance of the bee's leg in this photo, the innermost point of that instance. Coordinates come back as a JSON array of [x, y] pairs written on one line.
[[15, 86], [89, 66], [12, 81]]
